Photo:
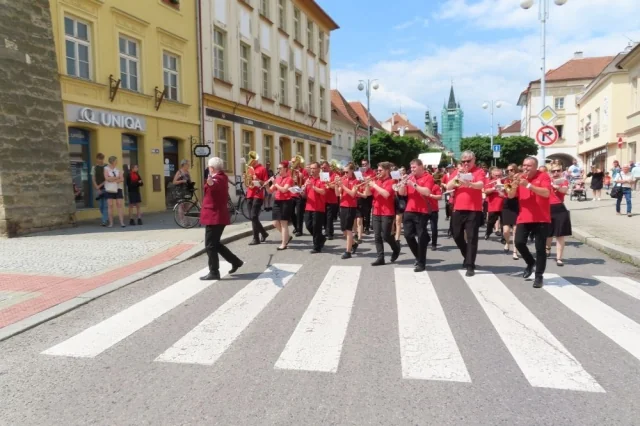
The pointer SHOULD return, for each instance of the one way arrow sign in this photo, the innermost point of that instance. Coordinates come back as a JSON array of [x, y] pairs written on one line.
[[547, 135]]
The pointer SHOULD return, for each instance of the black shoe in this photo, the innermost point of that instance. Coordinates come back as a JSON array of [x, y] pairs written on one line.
[[503, 241], [528, 271], [315, 251], [264, 237], [378, 262], [415, 263], [537, 282], [139, 221], [419, 268], [211, 276], [434, 247], [298, 234], [132, 222], [346, 255], [330, 237], [354, 247], [235, 267], [470, 272], [394, 255], [254, 242], [486, 237]]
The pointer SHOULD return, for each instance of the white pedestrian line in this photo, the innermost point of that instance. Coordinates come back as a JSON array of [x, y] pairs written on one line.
[[97, 339], [316, 343], [604, 318], [625, 285], [213, 336], [428, 349], [543, 360]]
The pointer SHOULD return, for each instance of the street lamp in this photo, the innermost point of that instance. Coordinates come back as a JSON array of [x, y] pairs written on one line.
[[543, 16], [491, 104], [369, 84]]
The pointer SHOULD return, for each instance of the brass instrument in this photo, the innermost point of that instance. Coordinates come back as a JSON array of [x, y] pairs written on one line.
[[368, 180], [297, 163], [249, 173], [335, 166], [402, 182], [515, 181]]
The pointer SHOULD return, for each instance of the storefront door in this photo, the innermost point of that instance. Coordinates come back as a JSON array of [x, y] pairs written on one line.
[[129, 157], [80, 158], [170, 160]]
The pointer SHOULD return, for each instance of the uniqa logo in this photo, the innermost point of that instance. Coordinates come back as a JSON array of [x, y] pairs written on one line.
[[107, 119]]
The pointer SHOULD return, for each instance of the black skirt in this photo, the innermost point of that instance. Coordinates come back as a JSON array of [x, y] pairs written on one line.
[[560, 221], [135, 198], [401, 203], [282, 210], [510, 210], [347, 218]]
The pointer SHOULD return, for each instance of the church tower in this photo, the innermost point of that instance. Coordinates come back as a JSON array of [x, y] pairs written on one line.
[[452, 125]]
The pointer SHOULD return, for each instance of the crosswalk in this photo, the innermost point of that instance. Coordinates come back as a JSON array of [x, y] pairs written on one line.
[[429, 348]]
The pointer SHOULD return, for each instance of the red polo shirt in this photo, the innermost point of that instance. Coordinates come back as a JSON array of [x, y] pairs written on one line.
[[494, 200], [416, 202], [369, 173], [315, 201], [435, 190], [347, 200], [261, 174], [534, 208], [557, 197], [330, 197], [469, 198], [384, 206], [283, 181]]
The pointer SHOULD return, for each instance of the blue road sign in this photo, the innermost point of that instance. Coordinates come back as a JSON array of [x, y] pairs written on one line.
[[496, 148]]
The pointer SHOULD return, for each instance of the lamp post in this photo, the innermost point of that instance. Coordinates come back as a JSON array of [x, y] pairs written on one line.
[[369, 84], [486, 105], [543, 16]]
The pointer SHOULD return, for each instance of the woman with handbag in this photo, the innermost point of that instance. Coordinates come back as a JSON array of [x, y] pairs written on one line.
[[134, 182], [622, 188], [114, 187]]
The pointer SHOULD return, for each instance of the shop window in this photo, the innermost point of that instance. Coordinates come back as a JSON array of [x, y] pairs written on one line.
[[300, 148], [222, 146], [247, 144], [80, 159]]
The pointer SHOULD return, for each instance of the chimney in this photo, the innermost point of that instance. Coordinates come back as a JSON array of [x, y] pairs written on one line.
[[578, 55]]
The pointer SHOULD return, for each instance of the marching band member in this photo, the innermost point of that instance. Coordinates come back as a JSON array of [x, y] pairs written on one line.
[[348, 207], [533, 189], [434, 199], [467, 214], [215, 216], [383, 212], [495, 200], [366, 203], [283, 205], [314, 215], [301, 176], [509, 214], [560, 218], [255, 197], [401, 205], [448, 206], [331, 201], [416, 214], [358, 227]]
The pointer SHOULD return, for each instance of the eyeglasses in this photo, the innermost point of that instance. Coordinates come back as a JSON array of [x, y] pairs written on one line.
[[556, 171], [381, 170]]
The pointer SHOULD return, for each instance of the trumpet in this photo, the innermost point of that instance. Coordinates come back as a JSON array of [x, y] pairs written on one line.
[[515, 181], [368, 180], [402, 182]]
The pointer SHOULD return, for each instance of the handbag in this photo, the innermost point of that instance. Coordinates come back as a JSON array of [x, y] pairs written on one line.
[[111, 187], [616, 192]]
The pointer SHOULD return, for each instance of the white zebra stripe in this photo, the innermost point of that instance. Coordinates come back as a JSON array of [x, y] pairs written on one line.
[[623, 284]]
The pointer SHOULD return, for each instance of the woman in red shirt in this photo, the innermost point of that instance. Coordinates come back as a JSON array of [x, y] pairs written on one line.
[[283, 205], [560, 218], [347, 194], [495, 200], [384, 212]]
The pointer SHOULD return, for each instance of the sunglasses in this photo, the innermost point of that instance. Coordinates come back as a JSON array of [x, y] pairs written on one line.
[[556, 171]]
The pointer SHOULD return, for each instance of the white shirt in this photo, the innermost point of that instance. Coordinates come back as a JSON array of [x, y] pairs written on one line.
[[636, 172], [627, 177], [575, 171]]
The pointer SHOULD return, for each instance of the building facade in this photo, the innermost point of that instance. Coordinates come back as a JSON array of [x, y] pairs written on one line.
[[129, 78], [630, 140], [452, 125], [513, 129], [265, 77], [345, 127]]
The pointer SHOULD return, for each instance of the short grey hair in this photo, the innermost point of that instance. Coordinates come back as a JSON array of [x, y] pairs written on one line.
[[184, 162], [468, 154], [112, 159], [531, 158], [216, 163]]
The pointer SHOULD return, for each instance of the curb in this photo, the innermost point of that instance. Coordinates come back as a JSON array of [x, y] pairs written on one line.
[[84, 298], [613, 250]]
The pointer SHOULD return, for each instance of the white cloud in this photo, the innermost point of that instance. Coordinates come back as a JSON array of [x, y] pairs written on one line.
[[417, 20]]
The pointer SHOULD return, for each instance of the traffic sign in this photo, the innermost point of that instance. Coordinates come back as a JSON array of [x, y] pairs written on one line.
[[496, 154], [496, 148], [547, 115], [202, 151], [547, 135]]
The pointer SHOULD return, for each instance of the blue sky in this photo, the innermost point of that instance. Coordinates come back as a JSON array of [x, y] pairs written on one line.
[[489, 48]]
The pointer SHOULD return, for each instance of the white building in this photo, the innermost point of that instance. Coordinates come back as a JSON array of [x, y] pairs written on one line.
[[344, 126], [265, 77], [563, 85]]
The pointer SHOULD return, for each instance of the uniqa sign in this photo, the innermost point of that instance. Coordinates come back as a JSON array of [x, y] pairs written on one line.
[[109, 119]]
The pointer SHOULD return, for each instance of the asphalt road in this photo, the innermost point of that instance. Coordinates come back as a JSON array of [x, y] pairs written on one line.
[[301, 339]]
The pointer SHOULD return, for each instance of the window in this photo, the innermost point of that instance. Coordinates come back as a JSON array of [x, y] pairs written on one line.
[[339, 141], [267, 145], [80, 174], [310, 34], [559, 103], [560, 128], [282, 14], [312, 108], [245, 55], [321, 44], [312, 153], [219, 42], [247, 143], [222, 145], [170, 71], [322, 113], [300, 148], [349, 142], [323, 153], [298, 92], [283, 84], [264, 8], [266, 76], [129, 63], [129, 157], [296, 24], [77, 46]]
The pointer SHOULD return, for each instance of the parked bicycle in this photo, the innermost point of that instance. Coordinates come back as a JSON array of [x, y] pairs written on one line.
[[242, 204]]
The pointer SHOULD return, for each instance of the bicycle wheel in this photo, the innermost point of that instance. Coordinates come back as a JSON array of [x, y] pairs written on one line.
[[186, 214], [244, 208], [233, 213]]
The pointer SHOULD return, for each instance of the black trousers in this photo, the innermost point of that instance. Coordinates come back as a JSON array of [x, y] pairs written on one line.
[[367, 205], [212, 234], [541, 231], [331, 212], [300, 203], [491, 222], [416, 232], [255, 206], [433, 220], [382, 232], [467, 221], [314, 222]]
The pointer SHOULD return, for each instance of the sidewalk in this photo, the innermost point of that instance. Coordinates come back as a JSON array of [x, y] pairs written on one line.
[[46, 274], [596, 224]]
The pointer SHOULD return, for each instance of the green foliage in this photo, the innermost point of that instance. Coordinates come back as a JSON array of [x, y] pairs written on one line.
[[399, 150], [514, 149]]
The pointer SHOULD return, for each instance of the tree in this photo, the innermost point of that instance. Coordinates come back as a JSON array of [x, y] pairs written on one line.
[[513, 149], [399, 150], [480, 146]]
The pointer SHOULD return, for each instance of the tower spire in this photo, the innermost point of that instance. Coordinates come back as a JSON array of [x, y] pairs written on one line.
[[452, 99]]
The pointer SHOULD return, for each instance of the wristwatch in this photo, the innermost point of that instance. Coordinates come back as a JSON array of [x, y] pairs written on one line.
[[529, 186]]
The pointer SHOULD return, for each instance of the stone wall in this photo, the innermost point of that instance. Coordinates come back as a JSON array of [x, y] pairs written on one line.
[[36, 191]]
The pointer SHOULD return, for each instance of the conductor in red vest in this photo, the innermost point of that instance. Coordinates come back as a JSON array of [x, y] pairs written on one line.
[[215, 216]]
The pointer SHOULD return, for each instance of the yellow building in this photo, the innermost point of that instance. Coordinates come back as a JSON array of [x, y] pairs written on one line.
[[266, 80], [631, 137], [129, 77]]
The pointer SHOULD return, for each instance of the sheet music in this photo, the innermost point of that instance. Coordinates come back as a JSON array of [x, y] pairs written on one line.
[[358, 175], [325, 177], [295, 189], [467, 177], [396, 175]]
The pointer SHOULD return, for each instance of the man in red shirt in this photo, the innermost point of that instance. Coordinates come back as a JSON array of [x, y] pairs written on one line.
[[255, 198], [365, 204], [314, 215], [533, 190], [331, 200], [384, 212], [301, 175], [467, 208], [416, 214]]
